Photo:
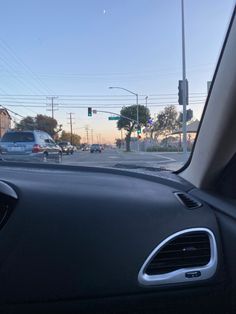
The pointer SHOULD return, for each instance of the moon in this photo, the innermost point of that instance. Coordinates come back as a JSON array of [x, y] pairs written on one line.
[[104, 11]]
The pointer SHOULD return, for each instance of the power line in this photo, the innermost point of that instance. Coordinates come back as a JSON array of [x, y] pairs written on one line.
[[93, 102], [21, 105], [93, 99], [7, 48], [107, 106], [99, 95], [166, 101], [15, 113], [11, 70]]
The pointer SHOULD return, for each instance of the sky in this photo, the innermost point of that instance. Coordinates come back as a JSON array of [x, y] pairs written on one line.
[[75, 50]]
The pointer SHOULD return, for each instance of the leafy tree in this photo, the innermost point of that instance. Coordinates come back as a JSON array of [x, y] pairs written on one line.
[[166, 122], [40, 122], [66, 136], [47, 124], [129, 126], [27, 123]]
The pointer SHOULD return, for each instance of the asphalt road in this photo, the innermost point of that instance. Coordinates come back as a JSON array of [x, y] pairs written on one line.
[[120, 159]]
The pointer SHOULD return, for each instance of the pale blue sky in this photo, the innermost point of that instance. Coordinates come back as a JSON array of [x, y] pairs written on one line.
[[82, 47]]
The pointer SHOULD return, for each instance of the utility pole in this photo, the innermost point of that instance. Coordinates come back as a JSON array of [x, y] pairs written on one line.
[[87, 135], [91, 136], [52, 105], [146, 98], [184, 84], [71, 126]]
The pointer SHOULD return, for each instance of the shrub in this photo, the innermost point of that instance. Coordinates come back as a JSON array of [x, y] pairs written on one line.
[[164, 149]]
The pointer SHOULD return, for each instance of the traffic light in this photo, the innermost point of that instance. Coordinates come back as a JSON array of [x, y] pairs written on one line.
[[90, 112], [181, 92], [189, 115], [139, 129]]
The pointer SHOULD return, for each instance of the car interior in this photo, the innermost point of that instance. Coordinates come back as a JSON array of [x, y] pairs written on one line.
[[92, 240]]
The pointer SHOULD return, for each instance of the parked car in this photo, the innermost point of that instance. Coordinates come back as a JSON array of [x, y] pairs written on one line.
[[29, 145], [95, 148], [85, 148], [66, 147]]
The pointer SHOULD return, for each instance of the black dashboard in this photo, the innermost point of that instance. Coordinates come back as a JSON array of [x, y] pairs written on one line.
[[76, 238]]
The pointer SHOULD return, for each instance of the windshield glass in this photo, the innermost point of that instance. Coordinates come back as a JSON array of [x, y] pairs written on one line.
[[115, 83], [18, 137]]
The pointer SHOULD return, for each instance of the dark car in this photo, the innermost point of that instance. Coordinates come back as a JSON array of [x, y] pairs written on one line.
[[95, 148], [66, 147], [29, 146]]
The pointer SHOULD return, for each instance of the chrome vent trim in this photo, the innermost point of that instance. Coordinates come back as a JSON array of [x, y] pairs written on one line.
[[179, 276], [187, 200]]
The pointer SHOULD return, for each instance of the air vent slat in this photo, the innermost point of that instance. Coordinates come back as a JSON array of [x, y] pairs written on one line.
[[176, 250], [183, 257], [187, 200], [185, 251]]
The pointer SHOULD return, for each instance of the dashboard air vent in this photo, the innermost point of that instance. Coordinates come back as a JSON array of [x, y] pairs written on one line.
[[188, 250], [187, 200], [187, 255]]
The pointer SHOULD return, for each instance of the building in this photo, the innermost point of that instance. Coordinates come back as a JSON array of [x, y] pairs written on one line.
[[191, 130], [5, 121]]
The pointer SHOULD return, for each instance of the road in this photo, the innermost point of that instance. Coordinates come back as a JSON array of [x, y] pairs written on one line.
[[120, 159]]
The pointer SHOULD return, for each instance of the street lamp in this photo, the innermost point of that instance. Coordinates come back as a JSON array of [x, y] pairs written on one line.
[[136, 95]]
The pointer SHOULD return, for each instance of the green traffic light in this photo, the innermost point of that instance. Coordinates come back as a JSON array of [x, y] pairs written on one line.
[[139, 129], [89, 111]]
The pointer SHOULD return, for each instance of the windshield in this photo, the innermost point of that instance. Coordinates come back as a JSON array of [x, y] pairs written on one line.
[[64, 143], [18, 137], [117, 84]]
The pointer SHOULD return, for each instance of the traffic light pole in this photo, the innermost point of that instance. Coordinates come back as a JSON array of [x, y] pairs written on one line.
[[116, 114], [184, 128]]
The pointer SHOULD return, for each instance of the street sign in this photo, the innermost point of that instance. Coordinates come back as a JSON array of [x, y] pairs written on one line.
[[114, 118]]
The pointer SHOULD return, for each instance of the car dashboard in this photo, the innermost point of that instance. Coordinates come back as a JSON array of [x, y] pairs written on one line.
[[104, 240]]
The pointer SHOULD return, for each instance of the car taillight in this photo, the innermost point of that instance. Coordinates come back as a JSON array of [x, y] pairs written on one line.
[[36, 148]]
